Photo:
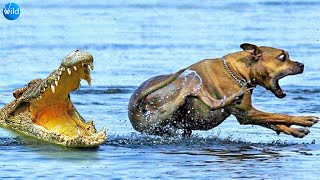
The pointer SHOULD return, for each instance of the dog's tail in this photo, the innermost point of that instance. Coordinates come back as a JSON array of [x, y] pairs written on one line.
[[162, 84]]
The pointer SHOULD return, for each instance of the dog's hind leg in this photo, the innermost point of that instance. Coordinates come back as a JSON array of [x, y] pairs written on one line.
[[155, 119], [213, 103], [192, 86]]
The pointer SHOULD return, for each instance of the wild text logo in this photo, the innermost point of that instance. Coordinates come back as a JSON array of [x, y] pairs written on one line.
[[11, 11]]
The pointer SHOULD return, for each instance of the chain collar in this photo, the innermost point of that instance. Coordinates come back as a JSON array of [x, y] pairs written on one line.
[[242, 82]]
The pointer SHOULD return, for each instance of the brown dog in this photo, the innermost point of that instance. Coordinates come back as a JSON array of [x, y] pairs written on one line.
[[188, 99]]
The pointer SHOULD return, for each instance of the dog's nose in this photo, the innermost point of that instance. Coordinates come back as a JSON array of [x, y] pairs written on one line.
[[301, 65]]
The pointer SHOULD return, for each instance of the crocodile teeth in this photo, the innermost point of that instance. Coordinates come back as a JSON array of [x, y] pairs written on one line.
[[61, 138], [91, 65], [104, 130], [78, 131], [44, 89], [69, 71], [56, 82], [40, 97], [82, 64], [100, 141], [63, 69], [53, 88], [75, 68], [59, 72], [58, 78]]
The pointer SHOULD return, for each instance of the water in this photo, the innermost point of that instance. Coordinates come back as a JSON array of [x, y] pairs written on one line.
[[134, 40]]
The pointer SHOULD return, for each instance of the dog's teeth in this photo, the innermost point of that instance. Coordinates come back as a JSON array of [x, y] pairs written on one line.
[[53, 88], [75, 68], [91, 65], [69, 71], [56, 82]]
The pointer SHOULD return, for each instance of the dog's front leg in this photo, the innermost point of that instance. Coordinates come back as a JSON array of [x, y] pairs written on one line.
[[254, 116], [276, 122]]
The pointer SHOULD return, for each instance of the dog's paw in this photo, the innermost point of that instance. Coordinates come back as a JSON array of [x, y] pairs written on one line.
[[238, 97], [237, 100], [295, 132], [306, 121], [313, 119]]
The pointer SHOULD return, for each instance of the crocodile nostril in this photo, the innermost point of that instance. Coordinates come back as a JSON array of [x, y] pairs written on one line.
[[76, 50]]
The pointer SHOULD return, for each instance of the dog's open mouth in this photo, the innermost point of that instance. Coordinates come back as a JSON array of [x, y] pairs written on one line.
[[276, 89]]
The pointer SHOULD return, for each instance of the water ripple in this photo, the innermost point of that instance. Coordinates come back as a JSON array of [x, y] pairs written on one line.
[[105, 46], [105, 90], [290, 3], [195, 141]]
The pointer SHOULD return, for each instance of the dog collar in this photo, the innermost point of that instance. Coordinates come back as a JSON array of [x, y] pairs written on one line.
[[242, 82]]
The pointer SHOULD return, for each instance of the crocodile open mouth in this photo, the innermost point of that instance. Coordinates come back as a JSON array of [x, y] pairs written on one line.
[[54, 117]]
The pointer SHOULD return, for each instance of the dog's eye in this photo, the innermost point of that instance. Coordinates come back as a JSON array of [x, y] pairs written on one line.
[[282, 57]]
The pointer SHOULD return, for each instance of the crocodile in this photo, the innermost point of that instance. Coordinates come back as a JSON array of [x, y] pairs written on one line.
[[43, 109]]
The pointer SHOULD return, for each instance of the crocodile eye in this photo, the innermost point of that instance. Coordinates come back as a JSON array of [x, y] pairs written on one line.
[[282, 58]]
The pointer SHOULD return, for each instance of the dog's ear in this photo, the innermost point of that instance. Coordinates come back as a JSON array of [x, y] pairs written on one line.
[[252, 49]]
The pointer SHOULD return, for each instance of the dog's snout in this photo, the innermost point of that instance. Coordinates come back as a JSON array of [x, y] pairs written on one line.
[[300, 65]]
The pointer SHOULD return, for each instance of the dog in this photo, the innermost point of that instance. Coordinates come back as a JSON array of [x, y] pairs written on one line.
[[203, 95]]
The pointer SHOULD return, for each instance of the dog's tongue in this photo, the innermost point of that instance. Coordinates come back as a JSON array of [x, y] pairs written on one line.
[[278, 91]]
